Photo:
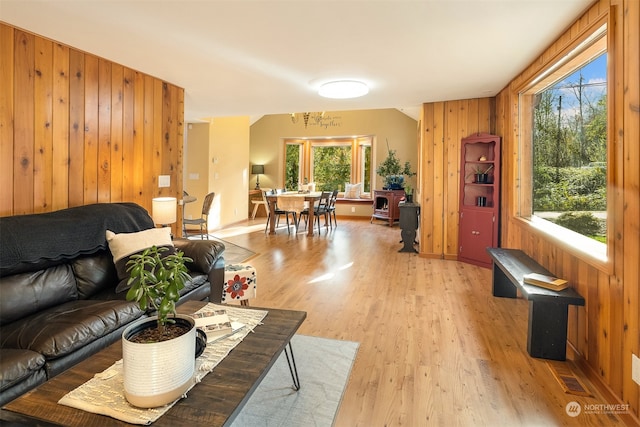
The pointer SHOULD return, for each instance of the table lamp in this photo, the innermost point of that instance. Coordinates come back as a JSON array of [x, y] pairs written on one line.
[[257, 170], [164, 210]]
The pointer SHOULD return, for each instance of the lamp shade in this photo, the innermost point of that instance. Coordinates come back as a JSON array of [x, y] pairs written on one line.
[[164, 210], [257, 169]]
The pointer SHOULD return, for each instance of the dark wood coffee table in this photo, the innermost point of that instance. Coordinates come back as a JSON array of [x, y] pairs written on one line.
[[215, 401]]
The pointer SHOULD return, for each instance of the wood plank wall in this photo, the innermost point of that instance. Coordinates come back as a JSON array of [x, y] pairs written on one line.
[[77, 129], [606, 331], [442, 127]]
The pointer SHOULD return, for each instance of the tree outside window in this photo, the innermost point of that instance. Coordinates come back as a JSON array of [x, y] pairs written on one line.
[[331, 167], [293, 155], [365, 176], [567, 130]]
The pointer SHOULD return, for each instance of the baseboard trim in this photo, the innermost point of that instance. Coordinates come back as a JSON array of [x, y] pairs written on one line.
[[628, 418]]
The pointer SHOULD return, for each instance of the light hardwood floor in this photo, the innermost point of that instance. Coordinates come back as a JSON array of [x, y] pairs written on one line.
[[436, 348]]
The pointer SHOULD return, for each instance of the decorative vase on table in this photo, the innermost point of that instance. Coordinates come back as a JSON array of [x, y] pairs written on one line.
[[394, 182], [158, 373]]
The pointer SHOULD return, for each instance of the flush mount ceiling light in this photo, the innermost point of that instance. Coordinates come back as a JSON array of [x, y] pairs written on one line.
[[343, 89]]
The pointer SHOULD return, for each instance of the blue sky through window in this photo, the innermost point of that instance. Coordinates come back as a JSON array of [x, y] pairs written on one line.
[[594, 82]]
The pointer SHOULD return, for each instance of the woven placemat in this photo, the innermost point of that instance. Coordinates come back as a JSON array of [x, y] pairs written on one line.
[[104, 393]]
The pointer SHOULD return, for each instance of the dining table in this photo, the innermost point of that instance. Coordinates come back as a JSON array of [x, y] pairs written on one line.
[[292, 200]]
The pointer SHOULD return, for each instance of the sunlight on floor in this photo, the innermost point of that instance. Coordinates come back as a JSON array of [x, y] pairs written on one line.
[[322, 278], [329, 276], [239, 230]]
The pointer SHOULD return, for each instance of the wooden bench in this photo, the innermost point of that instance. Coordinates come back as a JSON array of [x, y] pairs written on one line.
[[548, 309]]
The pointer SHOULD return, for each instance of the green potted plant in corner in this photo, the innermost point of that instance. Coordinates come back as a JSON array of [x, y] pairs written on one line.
[[158, 352], [392, 171]]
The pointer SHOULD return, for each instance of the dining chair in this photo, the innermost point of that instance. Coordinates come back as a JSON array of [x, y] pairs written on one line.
[[261, 202], [186, 198], [203, 221], [332, 208], [320, 208], [278, 212]]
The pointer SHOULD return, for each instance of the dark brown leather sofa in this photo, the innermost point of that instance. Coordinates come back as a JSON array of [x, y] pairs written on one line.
[[58, 299]]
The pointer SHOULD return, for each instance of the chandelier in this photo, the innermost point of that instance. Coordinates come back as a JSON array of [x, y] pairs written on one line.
[[315, 116]]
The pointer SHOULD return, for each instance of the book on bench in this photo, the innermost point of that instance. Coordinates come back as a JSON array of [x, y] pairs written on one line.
[[545, 281]]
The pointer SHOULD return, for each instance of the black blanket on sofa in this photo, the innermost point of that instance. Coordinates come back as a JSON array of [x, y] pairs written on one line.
[[53, 237]]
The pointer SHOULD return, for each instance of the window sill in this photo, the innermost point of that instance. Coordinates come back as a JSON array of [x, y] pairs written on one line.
[[342, 200], [588, 250]]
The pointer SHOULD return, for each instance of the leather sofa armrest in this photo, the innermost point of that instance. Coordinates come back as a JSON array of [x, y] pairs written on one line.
[[207, 258], [204, 253], [216, 280]]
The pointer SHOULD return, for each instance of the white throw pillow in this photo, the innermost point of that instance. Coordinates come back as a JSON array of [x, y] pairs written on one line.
[[352, 191], [124, 244]]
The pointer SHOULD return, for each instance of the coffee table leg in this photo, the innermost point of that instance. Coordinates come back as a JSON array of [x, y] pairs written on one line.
[[292, 367]]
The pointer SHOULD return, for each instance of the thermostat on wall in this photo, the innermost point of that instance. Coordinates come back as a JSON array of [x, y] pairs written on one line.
[[164, 181]]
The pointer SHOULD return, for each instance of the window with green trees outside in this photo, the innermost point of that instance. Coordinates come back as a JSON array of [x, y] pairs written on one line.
[[329, 162], [564, 127]]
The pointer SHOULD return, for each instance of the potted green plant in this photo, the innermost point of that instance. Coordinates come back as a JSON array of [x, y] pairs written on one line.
[[155, 282], [392, 171], [158, 352], [408, 191]]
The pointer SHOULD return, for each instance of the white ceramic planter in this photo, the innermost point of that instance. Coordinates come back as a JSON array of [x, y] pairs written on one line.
[[156, 374]]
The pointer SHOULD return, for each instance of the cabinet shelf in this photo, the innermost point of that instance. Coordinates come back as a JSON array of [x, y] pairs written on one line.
[[481, 208], [479, 201], [480, 162]]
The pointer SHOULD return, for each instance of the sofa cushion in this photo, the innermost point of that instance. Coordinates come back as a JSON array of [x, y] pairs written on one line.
[[197, 280], [94, 274], [124, 245], [19, 373], [17, 365], [28, 293], [65, 328]]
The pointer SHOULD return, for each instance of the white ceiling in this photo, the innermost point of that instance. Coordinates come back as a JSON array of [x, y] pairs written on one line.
[[250, 58]]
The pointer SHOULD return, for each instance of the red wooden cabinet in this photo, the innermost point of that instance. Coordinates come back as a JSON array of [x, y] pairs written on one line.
[[479, 207]]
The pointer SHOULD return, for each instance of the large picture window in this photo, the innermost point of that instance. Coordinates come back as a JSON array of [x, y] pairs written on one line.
[[330, 163], [293, 164], [563, 170]]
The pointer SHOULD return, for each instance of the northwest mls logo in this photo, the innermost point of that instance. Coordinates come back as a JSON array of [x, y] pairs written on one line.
[[573, 409]]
